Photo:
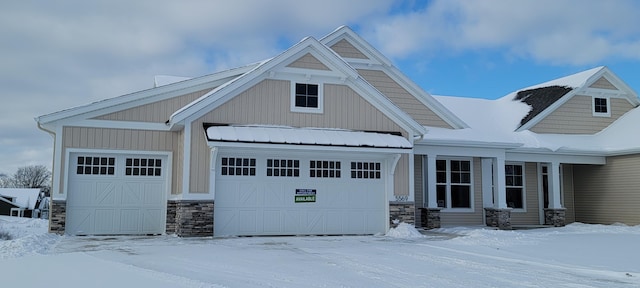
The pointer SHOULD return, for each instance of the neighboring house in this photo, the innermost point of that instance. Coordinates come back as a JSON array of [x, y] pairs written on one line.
[[23, 200], [330, 138]]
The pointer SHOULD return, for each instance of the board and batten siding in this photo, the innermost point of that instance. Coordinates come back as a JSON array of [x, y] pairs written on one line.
[[476, 217], [403, 99], [576, 117], [268, 102], [567, 193], [308, 62], [532, 214], [156, 112], [609, 193], [347, 50], [122, 140]]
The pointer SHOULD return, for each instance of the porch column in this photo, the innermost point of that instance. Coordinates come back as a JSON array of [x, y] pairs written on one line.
[[430, 215], [499, 215], [555, 214]]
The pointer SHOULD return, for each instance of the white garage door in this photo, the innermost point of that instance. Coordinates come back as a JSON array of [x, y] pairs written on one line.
[[114, 194], [280, 195]]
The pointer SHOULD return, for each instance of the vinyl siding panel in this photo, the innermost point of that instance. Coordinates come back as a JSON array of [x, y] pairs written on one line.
[[403, 99], [418, 177], [567, 193], [576, 117], [121, 139], [603, 83], [268, 102], [347, 50], [610, 193], [157, 112], [468, 218], [308, 62], [532, 214]]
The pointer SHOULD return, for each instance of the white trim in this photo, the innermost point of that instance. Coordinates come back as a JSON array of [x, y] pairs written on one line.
[[213, 166], [449, 184], [186, 160], [540, 180], [309, 147], [112, 124], [593, 106], [317, 110]]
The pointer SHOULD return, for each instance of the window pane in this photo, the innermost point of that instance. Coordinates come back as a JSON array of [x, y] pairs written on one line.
[[312, 89], [460, 196], [514, 198], [441, 191]]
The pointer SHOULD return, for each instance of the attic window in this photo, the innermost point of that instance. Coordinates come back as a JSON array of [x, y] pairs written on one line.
[[601, 107], [306, 97]]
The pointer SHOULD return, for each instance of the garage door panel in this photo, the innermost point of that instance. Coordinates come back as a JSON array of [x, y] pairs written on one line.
[[153, 195], [129, 220], [79, 220], [335, 219], [226, 221], [104, 220], [249, 221], [314, 222], [131, 194], [248, 195], [152, 220], [272, 221]]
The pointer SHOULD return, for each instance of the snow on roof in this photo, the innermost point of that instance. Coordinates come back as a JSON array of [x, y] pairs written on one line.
[[24, 197], [305, 136], [495, 122]]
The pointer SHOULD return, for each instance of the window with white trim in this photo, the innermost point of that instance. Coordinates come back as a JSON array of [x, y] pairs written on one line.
[[283, 168], [601, 107], [453, 183], [306, 97], [324, 169], [514, 183], [365, 170], [232, 166]]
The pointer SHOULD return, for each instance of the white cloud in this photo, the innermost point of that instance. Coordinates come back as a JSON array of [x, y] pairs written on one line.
[[575, 32]]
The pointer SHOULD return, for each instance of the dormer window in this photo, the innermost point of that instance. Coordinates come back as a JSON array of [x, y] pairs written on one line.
[[306, 97], [601, 107]]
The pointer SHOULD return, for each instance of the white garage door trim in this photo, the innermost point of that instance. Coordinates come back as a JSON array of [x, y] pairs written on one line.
[[337, 206], [124, 194]]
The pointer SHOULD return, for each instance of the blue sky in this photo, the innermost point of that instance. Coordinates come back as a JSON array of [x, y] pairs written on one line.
[[59, 55]]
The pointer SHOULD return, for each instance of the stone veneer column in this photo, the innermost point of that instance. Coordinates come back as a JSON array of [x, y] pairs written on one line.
[[403, 212], [57, 216], [555, 217], [172, 207], [430, 217], [194, 218], [500, 218]]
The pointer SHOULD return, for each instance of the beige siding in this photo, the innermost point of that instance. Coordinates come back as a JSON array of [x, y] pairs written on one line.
[[576, 117], [268, 102], [567, 193], [403, 99], [468, 218], [418, 187], [401, 177], [609, 193], [157, 112], [122, 139], [532, 214], [346, 50], [603, 83], [308, 62]]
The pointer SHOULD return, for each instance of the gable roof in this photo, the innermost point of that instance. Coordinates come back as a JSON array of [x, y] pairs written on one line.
[[23, 197], [338, 67], [142, 97], [496, 123], [546, 97], [375, 58]]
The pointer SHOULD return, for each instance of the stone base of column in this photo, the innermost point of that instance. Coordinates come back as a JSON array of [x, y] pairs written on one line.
[[193, 218], [555, 216], [57, 217], [430, 217], [500, 218], [402, 212]]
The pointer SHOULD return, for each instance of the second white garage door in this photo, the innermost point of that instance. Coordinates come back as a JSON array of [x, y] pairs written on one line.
[[298, 195], [115, 194]]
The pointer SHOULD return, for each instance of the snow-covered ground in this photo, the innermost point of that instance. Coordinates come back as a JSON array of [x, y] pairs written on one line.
[[578, 255]]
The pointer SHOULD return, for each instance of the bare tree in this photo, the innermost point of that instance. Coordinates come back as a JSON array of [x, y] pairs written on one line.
[[5, 181], [36, 176]]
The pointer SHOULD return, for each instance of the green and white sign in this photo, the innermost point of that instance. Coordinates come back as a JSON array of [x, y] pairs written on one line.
[[305, 195]]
